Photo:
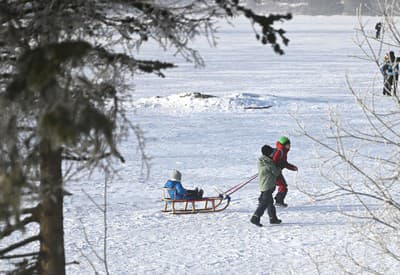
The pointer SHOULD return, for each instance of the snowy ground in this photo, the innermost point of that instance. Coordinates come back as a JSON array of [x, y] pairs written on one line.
[[216, 142]]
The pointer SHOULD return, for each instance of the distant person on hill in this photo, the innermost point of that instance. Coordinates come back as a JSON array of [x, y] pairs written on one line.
[[390, 71], [177, 192], [378, 28], [268, 172], [280, 159]]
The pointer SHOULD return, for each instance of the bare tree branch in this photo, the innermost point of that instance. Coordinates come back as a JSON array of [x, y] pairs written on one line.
[[19, 256], [19, 244]]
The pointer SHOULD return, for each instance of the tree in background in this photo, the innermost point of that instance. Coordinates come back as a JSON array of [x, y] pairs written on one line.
[[63, 74], [362, 164]]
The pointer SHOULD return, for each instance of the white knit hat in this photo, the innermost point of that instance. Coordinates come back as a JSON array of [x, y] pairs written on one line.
[[176, 176]]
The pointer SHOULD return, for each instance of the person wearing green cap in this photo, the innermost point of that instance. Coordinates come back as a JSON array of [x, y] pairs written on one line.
[[280, 159]]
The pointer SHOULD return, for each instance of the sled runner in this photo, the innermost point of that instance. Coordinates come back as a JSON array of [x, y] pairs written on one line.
[[193, 206]]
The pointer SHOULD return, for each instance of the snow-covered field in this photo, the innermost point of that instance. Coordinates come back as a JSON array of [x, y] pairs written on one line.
[[215, 142]]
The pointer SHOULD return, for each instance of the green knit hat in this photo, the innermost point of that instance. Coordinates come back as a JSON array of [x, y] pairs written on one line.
[[284, 140]]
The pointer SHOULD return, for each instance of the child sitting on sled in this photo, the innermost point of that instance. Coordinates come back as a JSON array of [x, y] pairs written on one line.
[[177, 191], [280, 159]]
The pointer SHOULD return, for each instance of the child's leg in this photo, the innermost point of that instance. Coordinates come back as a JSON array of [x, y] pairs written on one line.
[[386, 86], [390, 84], [271, 206], [191, 193], [282, 189], [262, 205], [198, 194]]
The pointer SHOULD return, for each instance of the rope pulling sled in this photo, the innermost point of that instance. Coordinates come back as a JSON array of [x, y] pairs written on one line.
[[203, 205]]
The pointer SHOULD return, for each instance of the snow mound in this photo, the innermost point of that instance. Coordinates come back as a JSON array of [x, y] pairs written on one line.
[[198, 102]]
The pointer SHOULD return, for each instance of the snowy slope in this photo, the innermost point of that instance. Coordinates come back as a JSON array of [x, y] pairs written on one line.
[[215, 142]]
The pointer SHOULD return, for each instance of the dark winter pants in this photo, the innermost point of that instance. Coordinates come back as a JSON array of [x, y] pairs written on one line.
[[378, 34], [390, 85], [282, 189], [194, 194], [265, 201]]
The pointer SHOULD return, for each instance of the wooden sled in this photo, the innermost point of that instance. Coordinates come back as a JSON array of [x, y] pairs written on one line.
[[183, 206]]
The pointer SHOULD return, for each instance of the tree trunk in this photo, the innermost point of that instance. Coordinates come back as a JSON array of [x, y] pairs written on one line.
[[52, 257]]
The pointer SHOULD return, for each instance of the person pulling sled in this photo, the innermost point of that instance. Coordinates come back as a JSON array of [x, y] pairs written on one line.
[[267, 175]]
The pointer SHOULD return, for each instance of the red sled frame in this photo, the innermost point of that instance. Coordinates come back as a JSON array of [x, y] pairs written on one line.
[[183, 206]]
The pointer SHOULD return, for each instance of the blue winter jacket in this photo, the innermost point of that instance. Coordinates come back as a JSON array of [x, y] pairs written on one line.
[[180, 191]]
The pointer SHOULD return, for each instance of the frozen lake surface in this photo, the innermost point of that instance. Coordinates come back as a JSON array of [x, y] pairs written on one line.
[[215, 143]]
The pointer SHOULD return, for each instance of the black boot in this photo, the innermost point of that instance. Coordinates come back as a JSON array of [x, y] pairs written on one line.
[[281, 204], [275, 221], [256, 221], [279, 199], [200, 194]]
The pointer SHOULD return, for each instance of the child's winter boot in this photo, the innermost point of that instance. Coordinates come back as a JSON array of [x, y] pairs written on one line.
[[281, 204], [256, 221], [275, 221]]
